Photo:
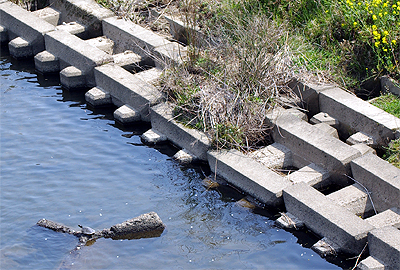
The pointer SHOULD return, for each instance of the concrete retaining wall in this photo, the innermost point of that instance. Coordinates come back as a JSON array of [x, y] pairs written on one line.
[[321, 157]]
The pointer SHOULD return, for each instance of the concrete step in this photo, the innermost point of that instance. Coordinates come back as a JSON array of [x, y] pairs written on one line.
[[274, 156], [327, 218], [73, 51], [358, 115], [381, 179], [127, 88], [312, 175], [311, 145], [384, 246], [248, 175], [194, 141]]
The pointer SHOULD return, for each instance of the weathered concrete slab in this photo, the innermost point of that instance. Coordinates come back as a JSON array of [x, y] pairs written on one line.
[[98, 97], [73, 51], [48, 14], [274, 156], [127, 58], [194, 141], [86, 12], [288, 221], [311, 145], [326, 218], [358, 115], [46, 62], [354, 198], [384, 245], [128, 88], [248, 175], [312, 175], [380, 178], [390, 217], [22, 23]]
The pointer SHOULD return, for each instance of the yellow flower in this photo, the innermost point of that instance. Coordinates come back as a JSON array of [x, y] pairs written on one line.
[[377, 43], [384, 41], [384, 49], [393, 41], [385, 4], [380, 14], [354, 24], [374, 27], [374, 17]]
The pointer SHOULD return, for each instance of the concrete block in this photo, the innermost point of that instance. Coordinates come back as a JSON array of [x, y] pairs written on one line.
[[127, 58], [130, 36], [196, 142], [3, 34], [150, 75], [389, 85], [76, 52], [326, 218], [370, 263], [126, 115], [86, 12], [72, 78], [364, 149], [384, 246], [297, 112], [73, 28], [308, 93], [22, 23], [354, 198], [20, 48], [359, 115], [46, 62], [98, 97], [48, 14], [184, 157], [274, 156], [153, 137], [169, 54], [325, 247], [323, 117], [380, 178], [103, 43], [328, 129], [185, 33], [128, 88], [312, 175], [390, 217], [248, 175], [361, 138], [289, 221], [311, 145]]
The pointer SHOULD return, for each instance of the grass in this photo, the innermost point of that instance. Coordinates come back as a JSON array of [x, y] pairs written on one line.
[[389, 103], [393, 153]]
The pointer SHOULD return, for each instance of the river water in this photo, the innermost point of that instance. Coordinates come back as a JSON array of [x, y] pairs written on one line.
[[64, 162]]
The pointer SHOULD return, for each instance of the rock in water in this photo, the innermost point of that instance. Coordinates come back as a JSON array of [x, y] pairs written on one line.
[[143, 226]]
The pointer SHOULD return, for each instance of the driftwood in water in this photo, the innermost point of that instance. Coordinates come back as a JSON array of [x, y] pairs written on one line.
[[143, 226]]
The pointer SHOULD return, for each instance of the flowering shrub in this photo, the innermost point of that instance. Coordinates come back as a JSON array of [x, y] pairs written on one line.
[[377, 22]]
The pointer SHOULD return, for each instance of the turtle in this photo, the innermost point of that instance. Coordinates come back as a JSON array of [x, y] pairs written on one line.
[[87, 230]]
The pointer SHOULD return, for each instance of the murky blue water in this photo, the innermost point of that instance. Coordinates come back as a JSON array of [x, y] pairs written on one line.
[[66, 163]]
